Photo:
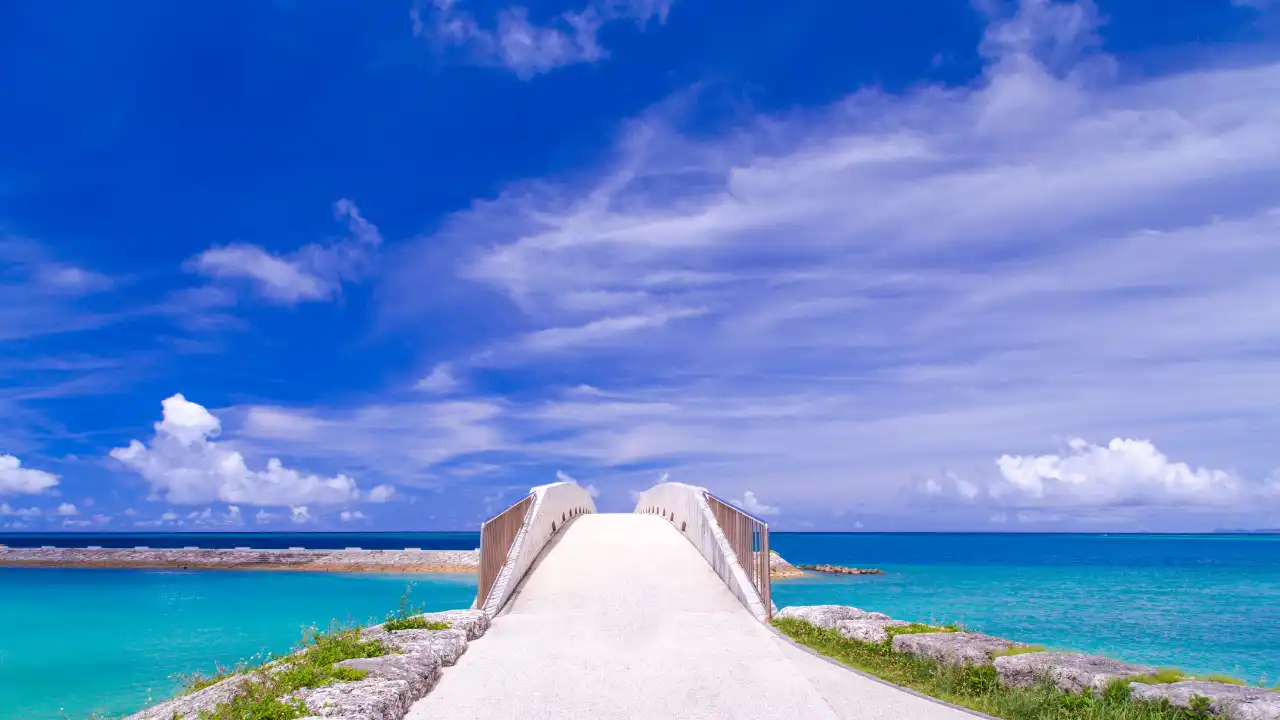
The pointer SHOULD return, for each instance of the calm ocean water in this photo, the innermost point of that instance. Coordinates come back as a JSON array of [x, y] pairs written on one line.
[[80, 641]]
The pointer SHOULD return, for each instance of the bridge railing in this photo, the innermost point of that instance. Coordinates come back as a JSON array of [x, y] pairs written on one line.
[[496, 537], [748, 535], [734, 543], [511, 542]]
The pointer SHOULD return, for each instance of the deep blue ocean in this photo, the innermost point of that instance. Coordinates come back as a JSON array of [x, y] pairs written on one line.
[[83, 641]]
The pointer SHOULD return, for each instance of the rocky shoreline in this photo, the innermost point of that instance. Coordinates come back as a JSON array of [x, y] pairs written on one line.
[[841, 570], [350, 560], [391, 684], [1018, 664], [779, 568]]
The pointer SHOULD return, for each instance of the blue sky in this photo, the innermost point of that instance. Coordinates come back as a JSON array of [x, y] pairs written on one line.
[[878, 266]]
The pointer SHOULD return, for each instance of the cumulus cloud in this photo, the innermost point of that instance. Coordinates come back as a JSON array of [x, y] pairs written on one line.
[[17, 480], [299, 514], [351, 515], [263, 517], [314, 272], [31, 512], [1121, 473], [66, 509], [184, 465], [524, 46], [751, 504]]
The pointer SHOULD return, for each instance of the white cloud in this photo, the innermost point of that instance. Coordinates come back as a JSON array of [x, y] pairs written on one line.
[[1062, 247], [298, 514], [66, 509], [439, 380], [592, 491], [931, 487], [754, 506], [1122, 473], [382, 493], [314, 272], [17, 480], [406, 440], [263, 517], [184, 465], [526, 47], [351, 515], [31, 512], [966, 489]]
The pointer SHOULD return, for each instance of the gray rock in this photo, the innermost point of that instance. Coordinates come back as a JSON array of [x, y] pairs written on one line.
[[1069, 672], [189, 707], [826, 616], [394, 683], [1239, 702], [954, 648], [868, 629], [447, 644], [474, 622]]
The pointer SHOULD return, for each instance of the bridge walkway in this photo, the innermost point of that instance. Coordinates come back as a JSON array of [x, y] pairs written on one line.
[[623, 618]]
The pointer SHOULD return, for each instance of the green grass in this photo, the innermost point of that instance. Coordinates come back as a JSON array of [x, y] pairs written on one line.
[[977, 688], [416, 623], [263, 696], [1020, 650]]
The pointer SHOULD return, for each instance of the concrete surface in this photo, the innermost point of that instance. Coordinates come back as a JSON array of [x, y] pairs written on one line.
[[687, 510], [622, 618], [553, 506]]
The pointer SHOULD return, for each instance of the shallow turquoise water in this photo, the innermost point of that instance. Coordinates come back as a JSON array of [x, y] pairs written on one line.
[[76, 642], [79, 641], [1206, 603]]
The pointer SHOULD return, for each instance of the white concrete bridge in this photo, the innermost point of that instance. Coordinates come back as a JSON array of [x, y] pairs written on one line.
[[657, 614]]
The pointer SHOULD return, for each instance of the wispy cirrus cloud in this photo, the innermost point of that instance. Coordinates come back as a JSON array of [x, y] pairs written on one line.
[[896, 285], [312, 273], [524, 46]]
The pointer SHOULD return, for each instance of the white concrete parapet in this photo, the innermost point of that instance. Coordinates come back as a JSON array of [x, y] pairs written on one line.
[[694, 519], [553, 506]]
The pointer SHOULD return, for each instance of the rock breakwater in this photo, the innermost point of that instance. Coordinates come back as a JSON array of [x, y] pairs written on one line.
[[841, 570], [1018, 664], [353, 560]]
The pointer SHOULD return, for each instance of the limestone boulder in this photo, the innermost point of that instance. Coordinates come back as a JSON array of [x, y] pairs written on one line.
[[394, 683], [1237, 702], [954, 648], [868, 629], [826, 616], [474, 622], [189, 707], [447, 644], [1069, 672]]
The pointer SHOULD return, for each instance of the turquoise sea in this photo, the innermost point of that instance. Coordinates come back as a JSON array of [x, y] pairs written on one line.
[[82, 641]]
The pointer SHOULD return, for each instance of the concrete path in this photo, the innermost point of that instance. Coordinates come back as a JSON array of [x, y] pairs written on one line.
[[622, 618]]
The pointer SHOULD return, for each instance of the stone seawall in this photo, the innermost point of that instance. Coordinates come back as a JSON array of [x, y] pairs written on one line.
[[352, 560]]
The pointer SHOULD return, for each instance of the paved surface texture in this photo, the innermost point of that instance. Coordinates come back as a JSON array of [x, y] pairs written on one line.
[[622, 618]]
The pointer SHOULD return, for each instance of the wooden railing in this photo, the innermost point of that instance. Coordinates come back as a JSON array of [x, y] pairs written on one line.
[[749, 538], [496, 537]]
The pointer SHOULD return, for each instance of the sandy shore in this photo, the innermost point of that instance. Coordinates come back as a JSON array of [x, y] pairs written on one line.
[[391, 561]]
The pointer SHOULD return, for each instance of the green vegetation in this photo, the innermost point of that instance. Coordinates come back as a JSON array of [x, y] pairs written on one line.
[[1021, 650], [407, 617], [262, 697], [977, 688]]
